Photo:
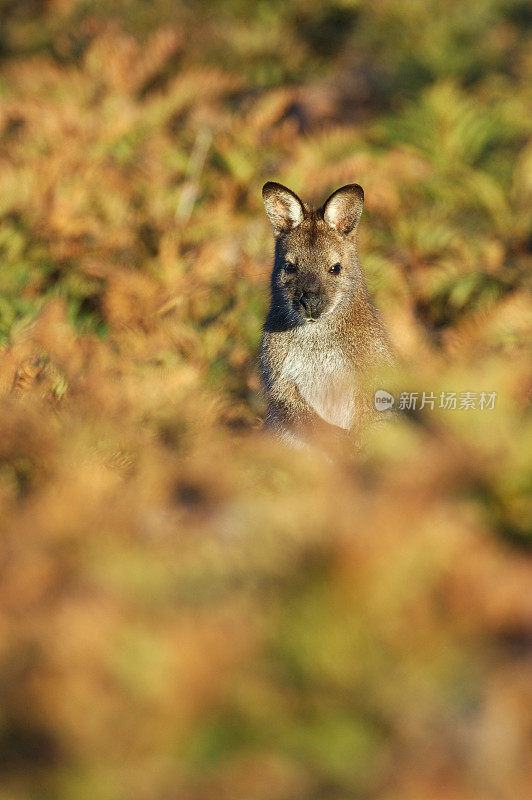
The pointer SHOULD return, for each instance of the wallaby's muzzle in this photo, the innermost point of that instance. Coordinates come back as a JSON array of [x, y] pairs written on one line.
[[311, 305]]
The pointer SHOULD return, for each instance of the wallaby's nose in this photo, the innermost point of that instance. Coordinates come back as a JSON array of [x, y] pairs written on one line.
[[311, 302]]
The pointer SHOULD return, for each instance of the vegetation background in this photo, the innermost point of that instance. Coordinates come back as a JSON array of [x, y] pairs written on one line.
[[187, 610]]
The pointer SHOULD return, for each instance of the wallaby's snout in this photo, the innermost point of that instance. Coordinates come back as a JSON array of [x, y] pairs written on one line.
[[311, 291], [311, 297], [312, 304]]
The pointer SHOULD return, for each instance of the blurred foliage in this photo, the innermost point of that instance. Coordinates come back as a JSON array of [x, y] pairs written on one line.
[[187, 610]]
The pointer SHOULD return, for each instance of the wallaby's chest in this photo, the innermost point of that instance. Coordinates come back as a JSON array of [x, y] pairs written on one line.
[[324, 376]]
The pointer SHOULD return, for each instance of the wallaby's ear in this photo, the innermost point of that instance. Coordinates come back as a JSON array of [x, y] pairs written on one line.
[[284, 208], [343, 208]]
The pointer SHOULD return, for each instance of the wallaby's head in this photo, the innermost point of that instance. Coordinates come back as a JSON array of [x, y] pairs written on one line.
[[316, 264]]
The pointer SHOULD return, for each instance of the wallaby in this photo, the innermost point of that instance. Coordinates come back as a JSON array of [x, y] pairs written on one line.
[[323, 339]]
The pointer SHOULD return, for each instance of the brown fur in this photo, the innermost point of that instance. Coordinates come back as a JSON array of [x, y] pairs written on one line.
[[318, 374]]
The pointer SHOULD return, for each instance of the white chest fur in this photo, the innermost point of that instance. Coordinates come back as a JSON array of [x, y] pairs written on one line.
[[323, 376]]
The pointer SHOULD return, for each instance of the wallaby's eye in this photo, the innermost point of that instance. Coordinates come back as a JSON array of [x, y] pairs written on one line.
[[335, 269], [289, 266]]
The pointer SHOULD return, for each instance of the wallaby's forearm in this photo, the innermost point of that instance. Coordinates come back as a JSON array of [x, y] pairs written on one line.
[[288, 410]]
